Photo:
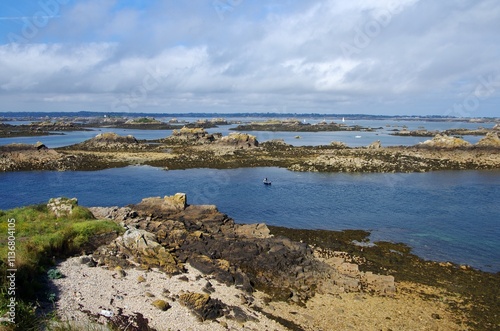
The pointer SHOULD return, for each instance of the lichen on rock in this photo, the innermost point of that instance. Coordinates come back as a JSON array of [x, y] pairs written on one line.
[[62, 206]]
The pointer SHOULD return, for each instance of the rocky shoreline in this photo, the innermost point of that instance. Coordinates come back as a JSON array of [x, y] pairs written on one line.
[[191, 267], [195, 148]]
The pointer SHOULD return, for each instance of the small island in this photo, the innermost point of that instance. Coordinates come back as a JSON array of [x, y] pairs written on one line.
[[189, 148]]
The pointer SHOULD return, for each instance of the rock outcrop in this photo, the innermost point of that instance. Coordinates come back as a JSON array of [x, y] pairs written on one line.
[[19, 157], [166, 233], [198, 136], [240, 150], [444, 141], [239, 140], [490, 140], [202, 305], [62, 206], [176, 202], [110, 141], [192, 136], [138, 247], [375, 145], [339, 144]]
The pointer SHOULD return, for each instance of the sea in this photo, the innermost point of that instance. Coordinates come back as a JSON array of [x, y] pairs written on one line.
[[442, 215]]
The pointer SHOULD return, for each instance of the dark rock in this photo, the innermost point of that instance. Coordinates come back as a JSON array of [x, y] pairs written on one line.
[[240, 316], [243, 256], [202, 305], [136, 322]]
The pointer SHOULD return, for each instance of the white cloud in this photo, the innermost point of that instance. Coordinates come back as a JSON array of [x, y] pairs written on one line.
[[288, 57]]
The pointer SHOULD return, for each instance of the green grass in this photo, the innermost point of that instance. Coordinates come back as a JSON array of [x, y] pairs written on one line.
[[40, 237], [145, 120]]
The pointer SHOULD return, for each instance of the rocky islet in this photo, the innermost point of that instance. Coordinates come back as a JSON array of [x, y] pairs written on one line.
[[195, 148]]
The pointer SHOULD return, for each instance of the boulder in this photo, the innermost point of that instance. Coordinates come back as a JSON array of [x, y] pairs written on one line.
[[339, 144], [62, 206], [176, 202], [375, 145], [39, 145], [379, 284], [194, 135], [161, 304], [240, 140], [114, 213], [138, 247], [259, 230], [202, 305], [139, 240]]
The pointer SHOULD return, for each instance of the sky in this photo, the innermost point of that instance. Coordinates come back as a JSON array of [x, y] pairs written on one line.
[[379, 57]]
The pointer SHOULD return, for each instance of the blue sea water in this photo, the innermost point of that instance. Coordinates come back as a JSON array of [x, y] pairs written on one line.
[[352, 139], [444, 216]]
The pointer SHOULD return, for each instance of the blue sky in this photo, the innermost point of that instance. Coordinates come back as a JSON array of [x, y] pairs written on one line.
[[407, 57]]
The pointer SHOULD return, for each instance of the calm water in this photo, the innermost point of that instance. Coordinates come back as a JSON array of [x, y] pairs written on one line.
[[452, 215]]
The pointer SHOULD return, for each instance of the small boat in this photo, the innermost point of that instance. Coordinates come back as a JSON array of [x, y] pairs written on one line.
[[266, 181]]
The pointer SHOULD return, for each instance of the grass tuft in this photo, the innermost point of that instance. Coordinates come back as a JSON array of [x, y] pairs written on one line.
[[40, 237]]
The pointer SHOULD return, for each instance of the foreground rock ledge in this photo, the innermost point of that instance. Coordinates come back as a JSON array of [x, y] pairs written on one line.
[[167, 233], [176, 258]]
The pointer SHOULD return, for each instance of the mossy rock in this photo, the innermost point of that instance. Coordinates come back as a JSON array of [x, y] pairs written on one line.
[[161, 304]]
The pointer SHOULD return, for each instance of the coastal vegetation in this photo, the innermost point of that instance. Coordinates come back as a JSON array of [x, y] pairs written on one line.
[[41, 238]]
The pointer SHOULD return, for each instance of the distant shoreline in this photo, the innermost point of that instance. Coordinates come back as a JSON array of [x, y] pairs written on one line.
[[4, 116]]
